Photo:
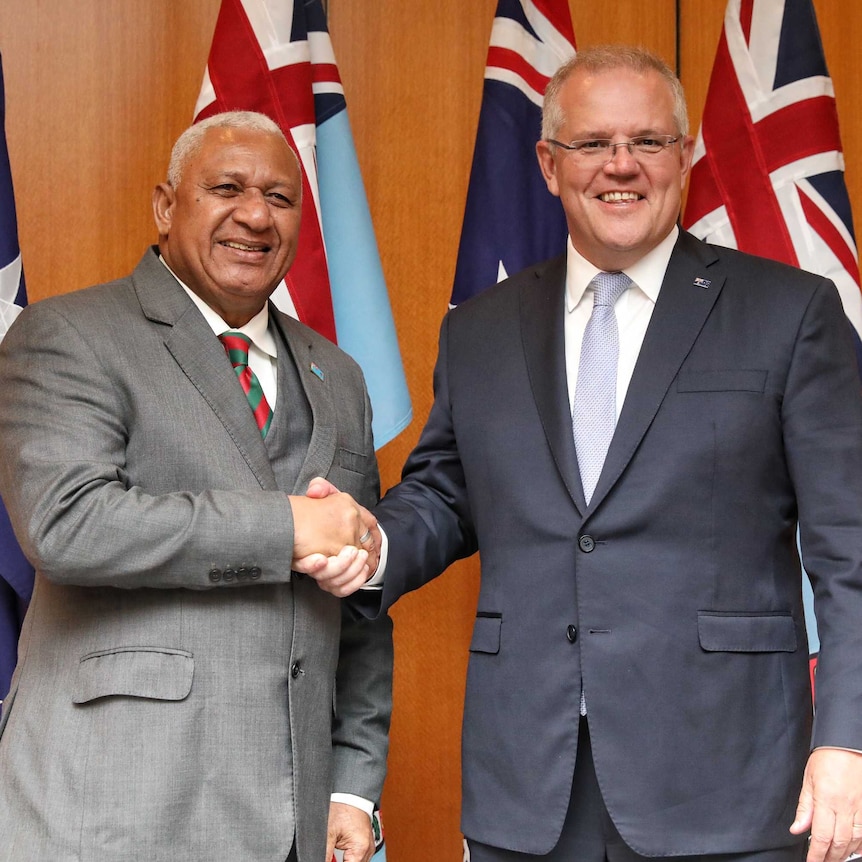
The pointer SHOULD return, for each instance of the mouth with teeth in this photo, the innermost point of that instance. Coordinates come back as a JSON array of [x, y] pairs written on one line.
[[242, 246], [620, 197]]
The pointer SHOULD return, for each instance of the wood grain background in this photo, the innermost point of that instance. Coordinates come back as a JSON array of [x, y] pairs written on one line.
[[97, 91]]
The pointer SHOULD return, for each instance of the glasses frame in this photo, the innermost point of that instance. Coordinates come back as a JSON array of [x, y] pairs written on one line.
[[578, 146]]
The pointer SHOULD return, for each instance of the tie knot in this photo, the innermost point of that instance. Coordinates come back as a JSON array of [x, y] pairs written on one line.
[[609, 287], [236, 344]]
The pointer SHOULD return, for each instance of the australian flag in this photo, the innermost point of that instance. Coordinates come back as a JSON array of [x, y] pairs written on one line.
[[276, 57], [511, 220], [768, 171], [16, 575]]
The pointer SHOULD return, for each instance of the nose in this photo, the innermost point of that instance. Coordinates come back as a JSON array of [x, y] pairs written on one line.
[[622, 160], [252, 209]]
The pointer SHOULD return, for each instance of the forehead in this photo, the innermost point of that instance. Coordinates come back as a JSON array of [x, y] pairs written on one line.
[[617, 99], [244, 153]]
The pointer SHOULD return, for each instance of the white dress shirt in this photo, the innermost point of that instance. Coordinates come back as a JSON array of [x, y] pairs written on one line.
[[633, 309]]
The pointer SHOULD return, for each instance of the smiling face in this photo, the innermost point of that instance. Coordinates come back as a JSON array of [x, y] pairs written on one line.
[[618, 211], [229, 229]]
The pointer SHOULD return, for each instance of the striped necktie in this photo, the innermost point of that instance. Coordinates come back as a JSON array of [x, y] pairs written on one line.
[[236, 344]]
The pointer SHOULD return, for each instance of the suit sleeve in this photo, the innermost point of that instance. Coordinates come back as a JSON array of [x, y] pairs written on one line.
[[80, 518], [427, 516], [822, 427], [363, 686]]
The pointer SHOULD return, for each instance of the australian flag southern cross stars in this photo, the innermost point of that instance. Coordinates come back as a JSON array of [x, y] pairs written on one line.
[[511, 220], [16, 576]]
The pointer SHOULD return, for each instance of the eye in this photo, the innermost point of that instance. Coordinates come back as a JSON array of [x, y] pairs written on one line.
[[280, 200], [595, 144], [226, 189]]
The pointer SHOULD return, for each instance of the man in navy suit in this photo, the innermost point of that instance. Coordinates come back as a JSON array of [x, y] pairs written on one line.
[[638, 682]]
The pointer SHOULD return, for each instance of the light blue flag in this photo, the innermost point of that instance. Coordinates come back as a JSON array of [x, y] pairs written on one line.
[[360, 302]]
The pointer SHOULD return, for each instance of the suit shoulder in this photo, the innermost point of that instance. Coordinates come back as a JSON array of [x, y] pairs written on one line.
[[549, 275]]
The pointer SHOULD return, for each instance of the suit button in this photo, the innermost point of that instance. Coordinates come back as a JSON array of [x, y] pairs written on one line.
[[242, 573], [571, 633], [295, 669], [229, 574], [254, 572], [587, 544], [215, 575]]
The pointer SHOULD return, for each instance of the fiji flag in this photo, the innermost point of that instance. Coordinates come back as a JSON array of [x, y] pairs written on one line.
[[768, 172], [16, 575], [275, 56], [511, 220]]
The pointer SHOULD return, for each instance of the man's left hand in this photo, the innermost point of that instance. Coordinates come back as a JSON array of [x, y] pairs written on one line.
[[830, 805], [349, 830]]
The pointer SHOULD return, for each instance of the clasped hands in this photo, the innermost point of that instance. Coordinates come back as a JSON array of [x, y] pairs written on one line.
[[336, 541]]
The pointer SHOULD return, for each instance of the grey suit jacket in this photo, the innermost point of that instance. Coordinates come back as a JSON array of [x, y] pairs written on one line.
[[675, 597], [176, 694]]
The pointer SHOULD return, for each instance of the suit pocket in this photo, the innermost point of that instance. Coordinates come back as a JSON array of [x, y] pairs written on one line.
[[730, 380], [486, 633], [157, 673], [353, 461], [726, 632]]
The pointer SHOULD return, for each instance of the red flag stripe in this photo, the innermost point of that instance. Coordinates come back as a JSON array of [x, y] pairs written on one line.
[[739, 166], [558, 14], [328, 72], [830, 235], [511, 61]]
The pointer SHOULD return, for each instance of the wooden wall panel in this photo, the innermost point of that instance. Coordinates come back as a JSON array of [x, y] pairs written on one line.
[[96, 93]]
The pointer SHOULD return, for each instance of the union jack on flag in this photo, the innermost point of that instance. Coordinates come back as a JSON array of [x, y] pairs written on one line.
[[276, 57], [510, 219], [16, 574], [768, 171]]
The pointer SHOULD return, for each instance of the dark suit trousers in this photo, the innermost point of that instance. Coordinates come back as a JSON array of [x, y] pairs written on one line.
[[589, 834]]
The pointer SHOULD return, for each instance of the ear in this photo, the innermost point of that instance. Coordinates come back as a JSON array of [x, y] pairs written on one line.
[[686, 154], [164, 198], [548, 166]]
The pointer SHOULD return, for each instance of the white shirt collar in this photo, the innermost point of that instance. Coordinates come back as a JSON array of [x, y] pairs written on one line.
[[257, 329], [647, 273]]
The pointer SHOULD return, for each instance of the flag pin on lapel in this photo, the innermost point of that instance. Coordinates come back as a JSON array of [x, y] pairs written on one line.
[[316, 370], [702, 282]]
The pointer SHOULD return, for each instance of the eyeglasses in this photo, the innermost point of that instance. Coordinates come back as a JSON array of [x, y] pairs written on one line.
[[602, 150]]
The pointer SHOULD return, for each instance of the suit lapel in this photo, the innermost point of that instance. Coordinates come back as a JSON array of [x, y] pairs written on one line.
[[681, 310], [202, 359], [316, 381], [542, 316]]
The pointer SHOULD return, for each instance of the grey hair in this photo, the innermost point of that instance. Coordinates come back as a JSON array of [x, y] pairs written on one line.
[[603, 58], [191, 140]]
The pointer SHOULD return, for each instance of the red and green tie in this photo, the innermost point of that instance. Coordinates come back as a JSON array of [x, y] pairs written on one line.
[[236, 344]]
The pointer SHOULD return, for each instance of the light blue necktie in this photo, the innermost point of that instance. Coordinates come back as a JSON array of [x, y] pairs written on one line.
[[594, 415]]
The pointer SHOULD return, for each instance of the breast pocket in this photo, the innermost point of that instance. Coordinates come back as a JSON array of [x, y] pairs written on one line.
[[722, 380], [157, 673]]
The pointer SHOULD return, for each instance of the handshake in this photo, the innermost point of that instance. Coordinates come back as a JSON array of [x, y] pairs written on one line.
[[335, 540]]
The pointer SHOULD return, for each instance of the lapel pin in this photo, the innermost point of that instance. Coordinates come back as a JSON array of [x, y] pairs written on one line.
[[702, 282], [316, 370]]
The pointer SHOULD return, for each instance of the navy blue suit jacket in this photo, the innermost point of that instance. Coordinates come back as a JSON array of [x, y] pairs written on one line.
[[675, 597]]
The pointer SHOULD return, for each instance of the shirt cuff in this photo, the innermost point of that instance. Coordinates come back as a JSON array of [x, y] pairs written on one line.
[[375, 582], [355, 801]]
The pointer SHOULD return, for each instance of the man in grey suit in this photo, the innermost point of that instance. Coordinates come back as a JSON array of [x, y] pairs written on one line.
[[638, 684], [181, 694]]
